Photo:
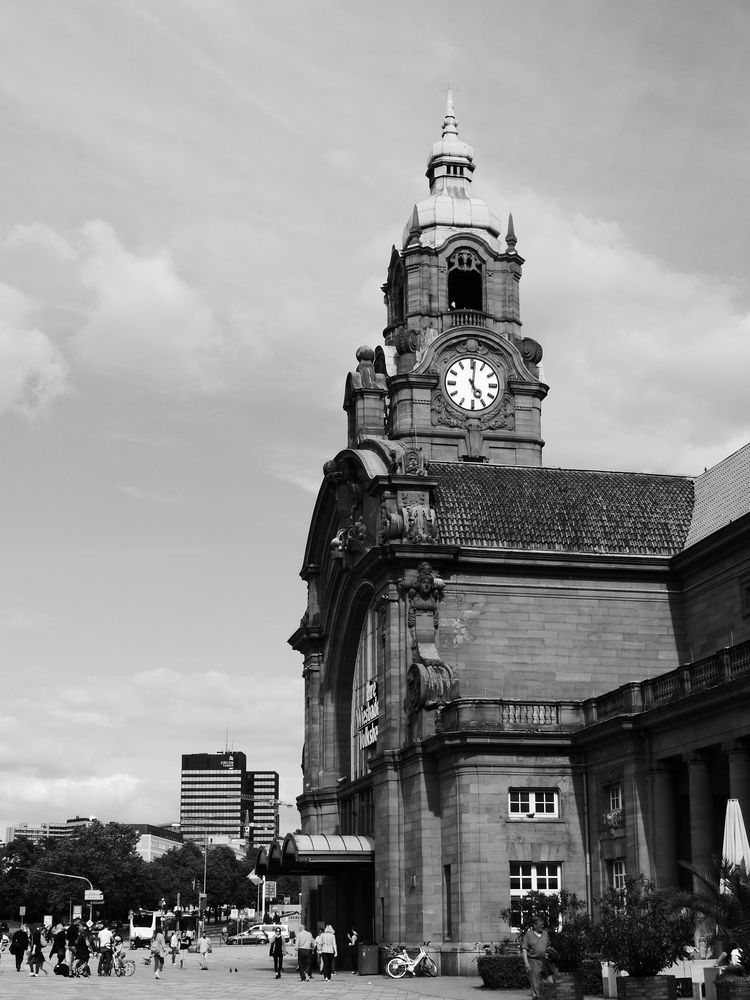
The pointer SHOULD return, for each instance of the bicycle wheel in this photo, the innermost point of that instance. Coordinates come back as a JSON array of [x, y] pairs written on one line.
[[428, 967], [128, 967], [396, 968]]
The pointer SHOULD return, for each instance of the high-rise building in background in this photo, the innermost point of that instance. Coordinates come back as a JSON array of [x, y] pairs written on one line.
[[211, 790], [261, 806]]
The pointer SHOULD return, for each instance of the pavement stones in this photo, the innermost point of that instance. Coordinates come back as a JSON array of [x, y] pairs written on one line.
[[254, 980]]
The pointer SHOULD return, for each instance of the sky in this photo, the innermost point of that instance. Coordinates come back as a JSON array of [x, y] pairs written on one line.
[[198, 202]]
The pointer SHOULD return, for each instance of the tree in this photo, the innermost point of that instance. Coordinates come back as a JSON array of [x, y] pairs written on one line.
[[639, 930], [178, 872], [104, 854], [15, 858], [722, 897]]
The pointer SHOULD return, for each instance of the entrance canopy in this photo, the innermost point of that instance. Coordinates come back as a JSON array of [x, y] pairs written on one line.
[[314, 854]]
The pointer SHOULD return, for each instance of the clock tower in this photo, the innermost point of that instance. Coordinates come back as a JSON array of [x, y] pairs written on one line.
[[463, 383]]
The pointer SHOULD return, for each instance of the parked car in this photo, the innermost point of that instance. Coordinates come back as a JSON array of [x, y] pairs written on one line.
[[253, 935]]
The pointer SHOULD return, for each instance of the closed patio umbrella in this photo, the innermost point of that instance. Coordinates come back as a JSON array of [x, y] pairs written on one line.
[[736, 847]]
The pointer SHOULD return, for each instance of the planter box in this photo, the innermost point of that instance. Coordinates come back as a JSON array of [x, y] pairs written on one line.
[[733, 990], [567, 986], [647, 988]]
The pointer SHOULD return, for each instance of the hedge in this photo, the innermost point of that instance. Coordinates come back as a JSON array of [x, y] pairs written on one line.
[[507, 972]]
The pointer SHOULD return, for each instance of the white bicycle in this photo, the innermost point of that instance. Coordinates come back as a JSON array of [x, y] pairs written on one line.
[[420, 965]]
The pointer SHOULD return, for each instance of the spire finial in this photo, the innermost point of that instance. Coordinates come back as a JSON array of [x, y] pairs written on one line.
[[450, 125], [510, 239]]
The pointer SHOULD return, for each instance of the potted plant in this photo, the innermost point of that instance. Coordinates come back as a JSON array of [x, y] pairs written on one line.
[[571, 947], [723, 897], [640, 932]]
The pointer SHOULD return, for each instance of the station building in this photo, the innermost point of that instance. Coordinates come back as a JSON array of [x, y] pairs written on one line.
[[516, 677]]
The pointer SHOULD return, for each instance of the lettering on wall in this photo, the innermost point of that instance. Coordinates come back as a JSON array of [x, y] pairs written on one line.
[[367, 716]]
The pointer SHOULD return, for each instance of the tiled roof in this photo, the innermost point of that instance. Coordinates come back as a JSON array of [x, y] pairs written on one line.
[[722, 494], [567, 510]]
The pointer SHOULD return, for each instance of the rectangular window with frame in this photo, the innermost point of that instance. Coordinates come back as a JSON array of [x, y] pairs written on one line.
[[528, 876], [534, 803], [615, 796], [617, 873]]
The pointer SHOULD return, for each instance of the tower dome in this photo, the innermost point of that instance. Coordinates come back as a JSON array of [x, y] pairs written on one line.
[[451, 205]]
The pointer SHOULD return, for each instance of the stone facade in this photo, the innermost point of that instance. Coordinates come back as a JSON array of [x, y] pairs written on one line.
[[511, 673]]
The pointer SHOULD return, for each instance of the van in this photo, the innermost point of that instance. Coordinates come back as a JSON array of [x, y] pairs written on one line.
[[142, 927]]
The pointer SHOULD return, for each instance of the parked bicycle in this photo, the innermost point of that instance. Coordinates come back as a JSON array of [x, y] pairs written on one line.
[[420, 965]]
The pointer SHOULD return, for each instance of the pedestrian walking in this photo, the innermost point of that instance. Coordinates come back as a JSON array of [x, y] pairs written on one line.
[[174, 945], [19, 944], [305, 946], [534, 945], [58, 944], [328, 950], [185, 940], [158, 951], [204, 946], [277, 952], [36, 954]]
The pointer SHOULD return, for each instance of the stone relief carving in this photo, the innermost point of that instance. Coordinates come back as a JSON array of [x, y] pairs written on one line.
[[352, 534], [430, 681], [413, 522]]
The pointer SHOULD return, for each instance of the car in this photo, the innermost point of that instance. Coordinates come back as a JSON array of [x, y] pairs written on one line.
[[253, 935]]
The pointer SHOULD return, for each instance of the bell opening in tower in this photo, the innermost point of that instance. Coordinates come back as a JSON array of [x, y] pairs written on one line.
[[465, 290]]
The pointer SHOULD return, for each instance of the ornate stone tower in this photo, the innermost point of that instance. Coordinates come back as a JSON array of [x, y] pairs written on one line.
[[463, 384]]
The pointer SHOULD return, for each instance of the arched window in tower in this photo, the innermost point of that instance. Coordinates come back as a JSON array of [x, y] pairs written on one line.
[[465, 281]]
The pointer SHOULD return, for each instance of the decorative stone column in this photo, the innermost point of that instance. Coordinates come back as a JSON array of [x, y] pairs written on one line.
[[739, 775], [664, 825], [701, 811]]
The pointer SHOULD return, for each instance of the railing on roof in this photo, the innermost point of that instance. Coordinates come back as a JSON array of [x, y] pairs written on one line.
[[725, 665], [466, 714], [468, 317]]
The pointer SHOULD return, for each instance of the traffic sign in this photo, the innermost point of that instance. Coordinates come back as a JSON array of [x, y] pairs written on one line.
[[93, 895]]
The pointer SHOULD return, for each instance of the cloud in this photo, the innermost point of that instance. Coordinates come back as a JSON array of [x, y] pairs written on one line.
[[33, 372], [117, 780], [99, 793], [146, 325], [38, 235], [632, 348]]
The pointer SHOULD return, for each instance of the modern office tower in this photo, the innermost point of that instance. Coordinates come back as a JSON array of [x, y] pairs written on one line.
[[211, 789], [261, 806]]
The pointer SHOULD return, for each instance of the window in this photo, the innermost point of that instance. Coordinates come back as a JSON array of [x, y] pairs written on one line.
[[356, 813], [528, 876], [617, 873], [615, 797], [534, 803]]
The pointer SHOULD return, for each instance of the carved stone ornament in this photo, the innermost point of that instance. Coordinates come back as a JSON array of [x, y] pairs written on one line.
[[429, 681], [412, 462], [352, 535], [442, 413]]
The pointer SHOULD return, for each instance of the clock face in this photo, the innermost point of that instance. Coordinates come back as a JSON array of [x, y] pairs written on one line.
[[472, 383]]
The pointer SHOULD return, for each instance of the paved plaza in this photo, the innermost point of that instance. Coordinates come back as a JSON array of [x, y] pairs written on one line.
[[254, 979]]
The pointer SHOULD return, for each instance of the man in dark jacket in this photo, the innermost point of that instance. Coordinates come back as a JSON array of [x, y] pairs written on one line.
[[19, 945]]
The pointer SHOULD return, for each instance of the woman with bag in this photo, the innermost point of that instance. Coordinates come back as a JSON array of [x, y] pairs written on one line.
[[158, 951]]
